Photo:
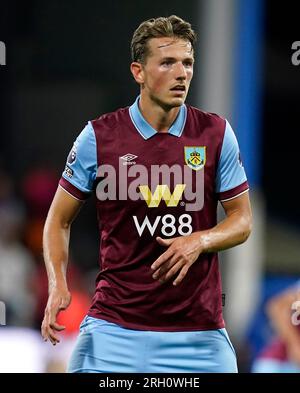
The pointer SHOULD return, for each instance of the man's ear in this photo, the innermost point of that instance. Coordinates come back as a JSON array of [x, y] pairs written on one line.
[[137, 72]]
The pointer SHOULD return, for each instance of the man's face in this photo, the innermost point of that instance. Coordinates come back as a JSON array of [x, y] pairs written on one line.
[[168, 71]]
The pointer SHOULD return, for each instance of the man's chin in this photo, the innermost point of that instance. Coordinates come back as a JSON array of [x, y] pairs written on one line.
[[172, 102], [176, 101]]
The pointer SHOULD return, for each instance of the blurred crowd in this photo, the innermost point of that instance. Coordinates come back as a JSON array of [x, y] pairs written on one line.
[[23, 278]]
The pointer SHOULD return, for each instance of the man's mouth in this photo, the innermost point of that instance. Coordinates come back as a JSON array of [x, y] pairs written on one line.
[[178, 88]]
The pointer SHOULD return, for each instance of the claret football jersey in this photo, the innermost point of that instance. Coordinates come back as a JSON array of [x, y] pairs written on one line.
[[150, 184]]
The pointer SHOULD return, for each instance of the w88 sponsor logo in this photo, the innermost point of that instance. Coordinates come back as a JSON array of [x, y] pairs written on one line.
[[170, 226]]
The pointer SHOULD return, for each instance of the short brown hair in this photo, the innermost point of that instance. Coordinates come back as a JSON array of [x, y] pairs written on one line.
[[171, 26]]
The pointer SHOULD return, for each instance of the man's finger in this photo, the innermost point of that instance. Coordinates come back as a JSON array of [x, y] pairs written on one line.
[[64, 303], [45, 325], [170, 273], [181, 275], [48, 334], [47, 330], [162, 259], [165, 267], [54, 340], [57, 327], [52, 336], [165, 242], [43, 331]]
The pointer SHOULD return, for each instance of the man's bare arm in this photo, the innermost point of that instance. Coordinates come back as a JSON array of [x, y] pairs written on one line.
[[233, 230], [63, 210], [183, 251]]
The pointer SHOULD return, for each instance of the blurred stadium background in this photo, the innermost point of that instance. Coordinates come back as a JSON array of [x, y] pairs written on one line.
[[68, 62]]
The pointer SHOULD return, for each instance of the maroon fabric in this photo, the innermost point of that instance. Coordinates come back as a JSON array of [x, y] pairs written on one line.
[[72, 189], [223, 196], [126, 293]]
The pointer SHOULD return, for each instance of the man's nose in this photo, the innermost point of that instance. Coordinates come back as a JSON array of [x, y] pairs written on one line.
[[180, 71]]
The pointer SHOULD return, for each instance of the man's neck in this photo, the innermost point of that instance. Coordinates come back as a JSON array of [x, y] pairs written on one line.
[[159, 118]]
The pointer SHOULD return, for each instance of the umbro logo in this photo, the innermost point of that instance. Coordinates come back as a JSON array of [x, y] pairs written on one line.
[[128, 159]]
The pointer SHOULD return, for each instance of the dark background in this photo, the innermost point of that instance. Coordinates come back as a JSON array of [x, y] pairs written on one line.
[[281, 124]]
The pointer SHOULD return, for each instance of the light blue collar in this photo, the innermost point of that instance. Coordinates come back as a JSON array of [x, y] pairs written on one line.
[[146, 130]]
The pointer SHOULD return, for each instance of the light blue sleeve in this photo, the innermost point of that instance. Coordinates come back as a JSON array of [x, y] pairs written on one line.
[[81, 165], [230, 172]]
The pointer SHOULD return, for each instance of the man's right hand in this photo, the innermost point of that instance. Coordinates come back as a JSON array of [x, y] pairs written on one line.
[[59, 299]]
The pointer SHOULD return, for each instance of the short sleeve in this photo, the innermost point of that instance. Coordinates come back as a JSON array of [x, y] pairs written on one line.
[[231, 180], [80, 171]]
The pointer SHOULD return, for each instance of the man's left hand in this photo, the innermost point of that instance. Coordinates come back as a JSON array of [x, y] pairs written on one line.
[[182, 252]]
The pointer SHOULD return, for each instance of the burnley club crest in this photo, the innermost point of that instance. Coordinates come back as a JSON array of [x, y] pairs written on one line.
[[195, 156]]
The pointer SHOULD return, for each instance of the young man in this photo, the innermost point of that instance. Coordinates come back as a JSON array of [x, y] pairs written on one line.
[[158, 169]]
